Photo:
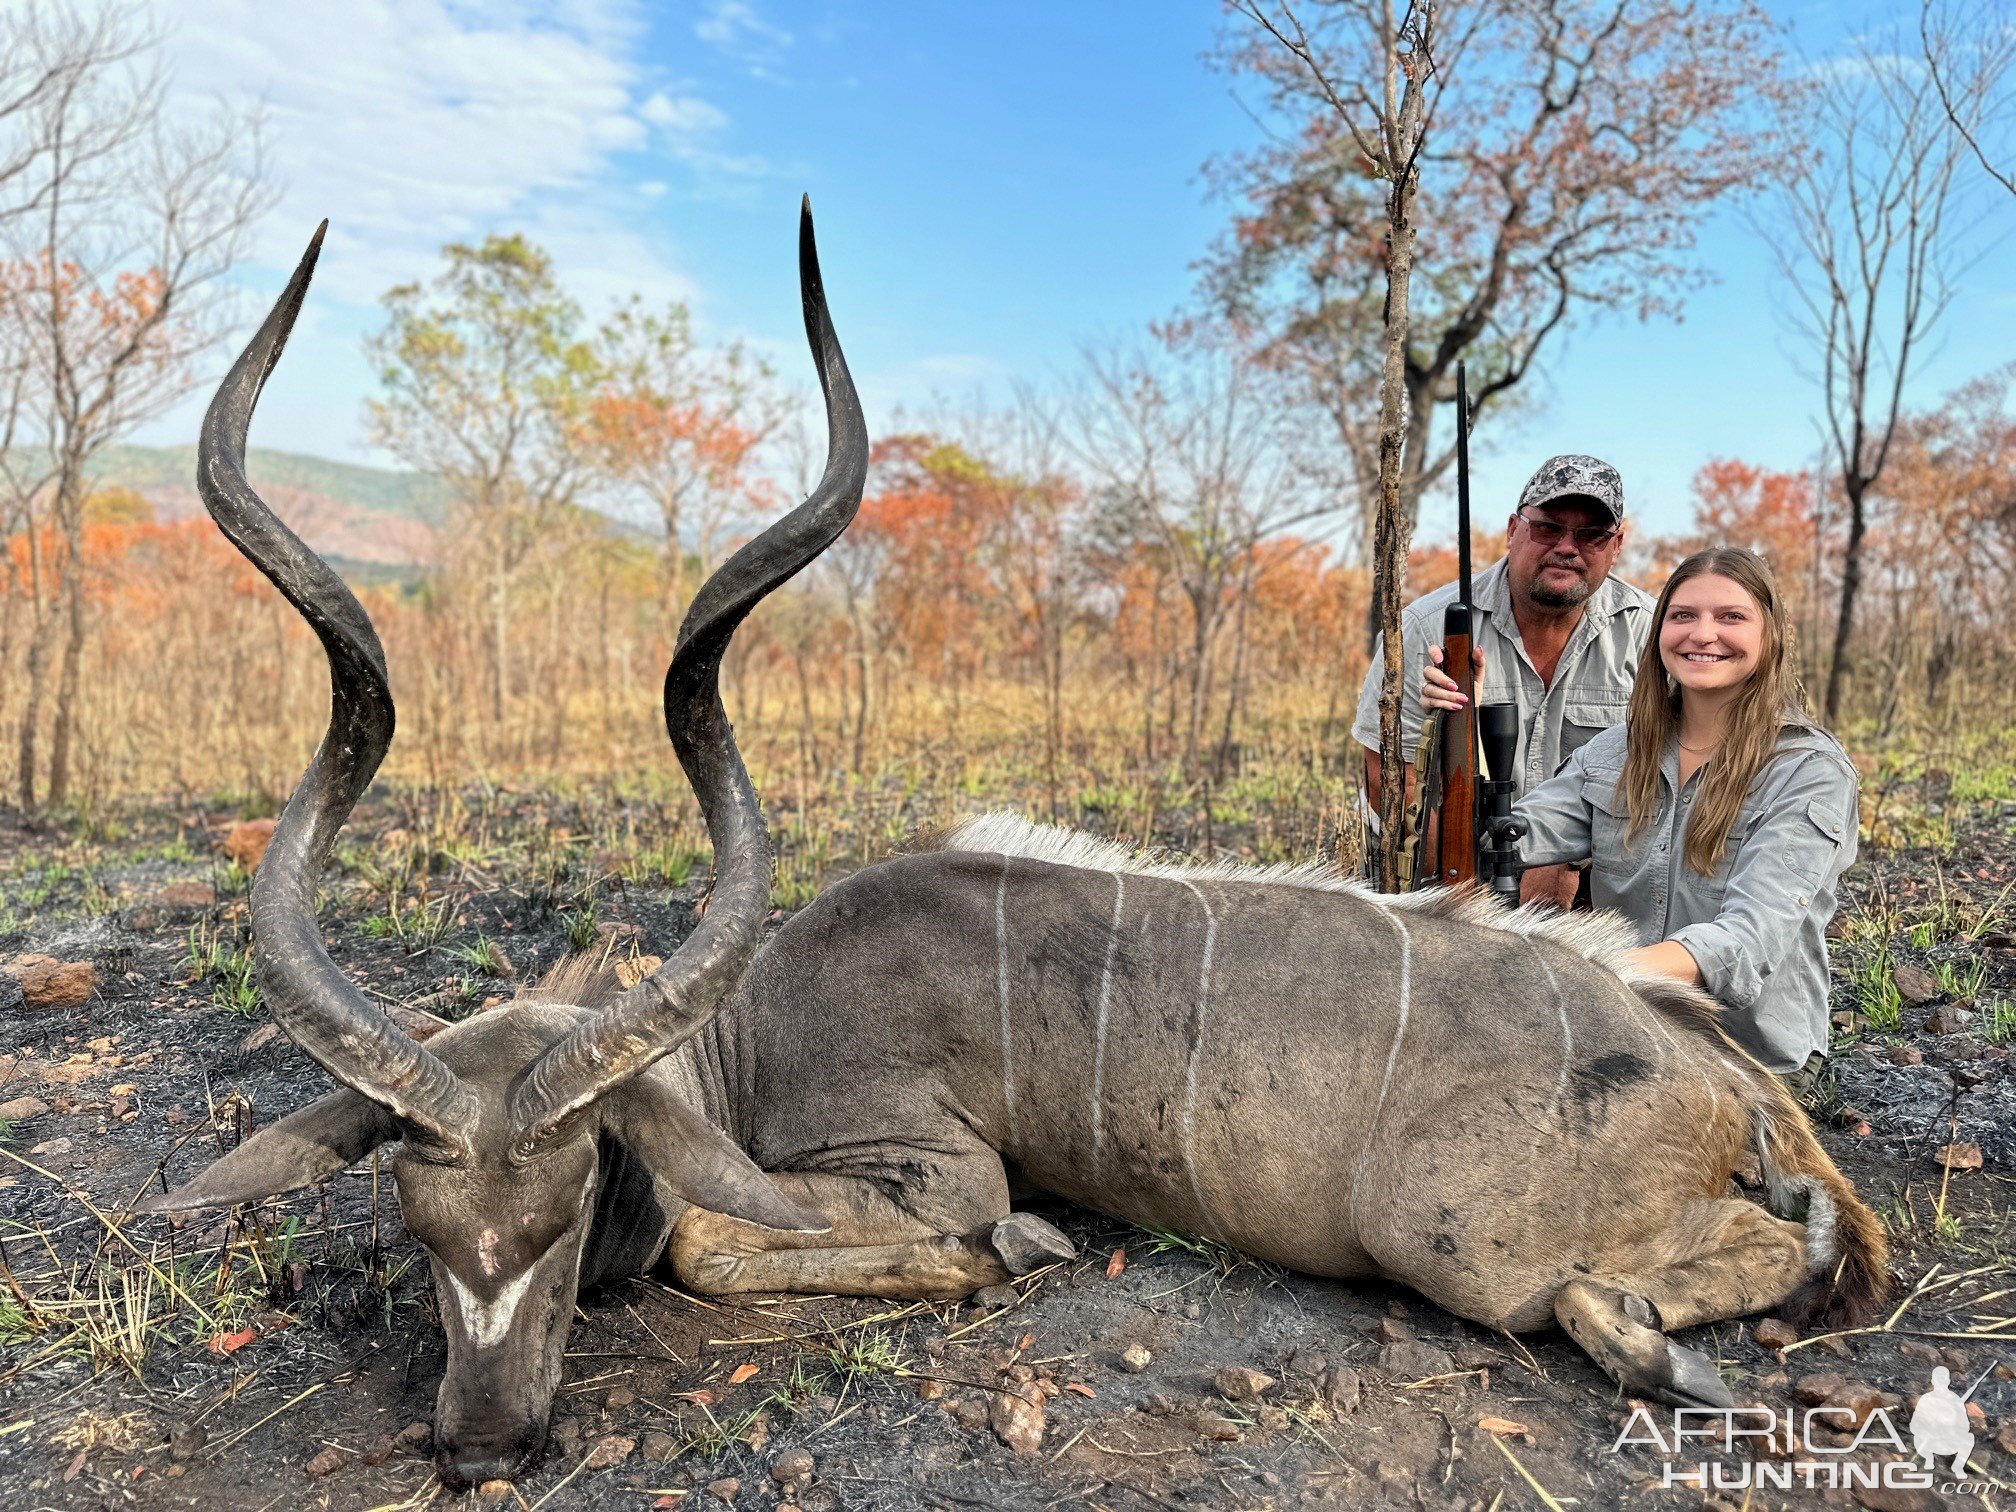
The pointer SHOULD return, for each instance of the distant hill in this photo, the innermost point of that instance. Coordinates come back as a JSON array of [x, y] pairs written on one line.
[[372, 522]]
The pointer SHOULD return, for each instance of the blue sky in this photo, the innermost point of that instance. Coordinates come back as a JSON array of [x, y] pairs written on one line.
[[995, 185]]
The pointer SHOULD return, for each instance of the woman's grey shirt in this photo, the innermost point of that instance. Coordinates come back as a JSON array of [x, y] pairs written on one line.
[[1757, 927]]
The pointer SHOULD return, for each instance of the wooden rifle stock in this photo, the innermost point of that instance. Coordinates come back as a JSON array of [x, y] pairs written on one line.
[[1453, 840]]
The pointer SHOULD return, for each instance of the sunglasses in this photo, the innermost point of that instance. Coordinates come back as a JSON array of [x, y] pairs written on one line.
[[1589, 537]]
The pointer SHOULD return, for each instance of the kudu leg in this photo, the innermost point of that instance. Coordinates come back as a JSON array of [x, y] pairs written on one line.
[[1731, 1258], [876, 1247]]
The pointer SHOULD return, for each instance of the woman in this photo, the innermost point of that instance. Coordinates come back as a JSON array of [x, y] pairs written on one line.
[[1719, 817]]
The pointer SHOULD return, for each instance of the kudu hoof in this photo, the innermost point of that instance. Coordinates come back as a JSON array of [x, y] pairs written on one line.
[[1691, 1380], [1026, 1243]]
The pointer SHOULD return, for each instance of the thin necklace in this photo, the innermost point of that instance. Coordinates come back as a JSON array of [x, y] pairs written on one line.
[[1696, 750]]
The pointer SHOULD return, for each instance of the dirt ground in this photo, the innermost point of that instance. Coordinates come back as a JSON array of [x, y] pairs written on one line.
[[289, 1358]]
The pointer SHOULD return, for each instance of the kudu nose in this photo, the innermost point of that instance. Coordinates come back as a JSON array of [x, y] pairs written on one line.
[[466, 1465]]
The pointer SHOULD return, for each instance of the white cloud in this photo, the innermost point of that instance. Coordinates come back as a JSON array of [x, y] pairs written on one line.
[[410, 123], [735, 29], [682, 113]]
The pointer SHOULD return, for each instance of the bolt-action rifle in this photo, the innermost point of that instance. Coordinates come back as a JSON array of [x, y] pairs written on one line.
[[1467, 832]]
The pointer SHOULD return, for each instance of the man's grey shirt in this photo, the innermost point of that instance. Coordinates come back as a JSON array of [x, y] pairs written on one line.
[[1592, 681], [1757, 927]]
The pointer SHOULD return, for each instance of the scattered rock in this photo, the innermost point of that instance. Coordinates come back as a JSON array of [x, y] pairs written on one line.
[[619, 1397], [791, 1467], [1416, 1362], [1914, 984], [2005, 1438], [1818, 1389], [611, 1449], [1774, 1333], [1135, 1358], [658, 1448], [1240, 1383], [971, 1413], [1393, 1331], [258, 1039], [246, 841], [1860, 1401], [1907, 1055], [1947, 1019], [493, 1493], [46, 982], [1017, 1421], [415, 1440], [1216, 1428], [1342, 1390], [327, 1462], [380, 1450], [186, 1442], [994, 1298], [929, 1390], [187, 895], [1959, 1157], [725, 1489], [17, 1109]]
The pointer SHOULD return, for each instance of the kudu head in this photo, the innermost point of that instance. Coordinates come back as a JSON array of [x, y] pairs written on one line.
[[502, 1121]]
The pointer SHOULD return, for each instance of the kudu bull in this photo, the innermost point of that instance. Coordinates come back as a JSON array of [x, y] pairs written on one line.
[[1432, 1089]]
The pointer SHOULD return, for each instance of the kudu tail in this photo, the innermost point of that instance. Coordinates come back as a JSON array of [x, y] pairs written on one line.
[[1848, 1257]]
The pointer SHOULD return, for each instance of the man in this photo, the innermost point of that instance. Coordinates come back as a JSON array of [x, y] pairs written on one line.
[[1553, 633]]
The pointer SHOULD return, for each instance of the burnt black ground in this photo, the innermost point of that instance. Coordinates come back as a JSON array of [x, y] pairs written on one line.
[[153, 1063]]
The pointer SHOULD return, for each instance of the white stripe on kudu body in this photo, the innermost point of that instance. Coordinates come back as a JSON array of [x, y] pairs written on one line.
[[1007, 1032], [1099, 1039], [1567, 1034], [1392, 1055], [1214, 1227]]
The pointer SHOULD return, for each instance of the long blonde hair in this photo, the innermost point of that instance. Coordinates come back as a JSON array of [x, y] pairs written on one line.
[[1773, 698]]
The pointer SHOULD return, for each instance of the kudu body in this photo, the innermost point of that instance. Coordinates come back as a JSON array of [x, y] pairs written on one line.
[[1432, 1089]]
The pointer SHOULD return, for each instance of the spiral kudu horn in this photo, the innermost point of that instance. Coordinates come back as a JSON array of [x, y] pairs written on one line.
[[324, 1013], [668, 1006]]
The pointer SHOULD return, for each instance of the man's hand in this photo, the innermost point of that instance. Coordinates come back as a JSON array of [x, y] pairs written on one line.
[[1549, 884]]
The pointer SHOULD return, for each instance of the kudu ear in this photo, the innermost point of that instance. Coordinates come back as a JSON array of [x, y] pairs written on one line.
[[699, 1162], [321, 1139]]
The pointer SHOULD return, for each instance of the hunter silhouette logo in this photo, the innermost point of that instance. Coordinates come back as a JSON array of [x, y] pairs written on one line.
[[1939, 1427], [1744, 1448]]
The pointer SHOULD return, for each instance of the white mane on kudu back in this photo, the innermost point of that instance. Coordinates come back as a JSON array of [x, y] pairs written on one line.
[[1604, 938]]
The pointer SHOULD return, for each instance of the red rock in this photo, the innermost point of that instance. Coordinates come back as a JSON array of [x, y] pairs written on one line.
[[790, 1467], [1017, 1420], [187, 895], [246, 842], [1947, 1019], [725, 1489], [46, 982], [1240, 1383], [327, 1462], [17, 1109], [1819, 1388], [1774, 1333], [1959, 1157], [611, 1450], [1914, 984], [1907, 1055]]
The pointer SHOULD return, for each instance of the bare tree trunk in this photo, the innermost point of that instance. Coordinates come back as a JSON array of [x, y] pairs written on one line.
[[1839, 665], [66, 685]]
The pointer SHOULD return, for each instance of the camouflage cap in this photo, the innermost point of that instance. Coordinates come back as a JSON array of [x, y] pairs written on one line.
[[1579, 476]]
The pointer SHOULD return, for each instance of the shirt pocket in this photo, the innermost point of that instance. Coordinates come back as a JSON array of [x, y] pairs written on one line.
[[1815, 846], [1608, 819], [1587, 715]]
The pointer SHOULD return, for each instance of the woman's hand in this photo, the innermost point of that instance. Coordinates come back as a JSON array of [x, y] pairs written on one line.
[[1438, 688], [1668, 958]]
